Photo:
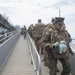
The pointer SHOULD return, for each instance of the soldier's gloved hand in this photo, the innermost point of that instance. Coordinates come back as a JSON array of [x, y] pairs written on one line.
[[53, 45]]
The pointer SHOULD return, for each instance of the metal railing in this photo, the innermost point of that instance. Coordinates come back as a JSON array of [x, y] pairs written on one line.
[[6, 48], [35, 57], [5, 36]]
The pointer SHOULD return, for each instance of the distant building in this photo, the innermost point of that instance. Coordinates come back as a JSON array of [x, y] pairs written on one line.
[[5, 25], [17, 27]]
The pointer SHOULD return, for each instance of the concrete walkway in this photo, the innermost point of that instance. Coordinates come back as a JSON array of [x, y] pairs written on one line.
[[19, 62]]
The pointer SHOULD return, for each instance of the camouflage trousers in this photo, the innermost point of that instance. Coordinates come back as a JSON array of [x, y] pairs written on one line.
[[52, 64], [38, 47], [24, 35], [66, 66]]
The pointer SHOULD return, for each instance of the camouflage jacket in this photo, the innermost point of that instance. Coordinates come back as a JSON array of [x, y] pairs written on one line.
[[38, 29], [52, 36]]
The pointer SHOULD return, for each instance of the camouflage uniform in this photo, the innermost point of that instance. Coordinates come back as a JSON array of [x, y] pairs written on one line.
[[45, 41], [38, 29], [52, 36], [24, 32], [30, 30]]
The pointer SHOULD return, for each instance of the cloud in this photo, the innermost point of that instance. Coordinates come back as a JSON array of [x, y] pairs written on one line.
[[26, 12]]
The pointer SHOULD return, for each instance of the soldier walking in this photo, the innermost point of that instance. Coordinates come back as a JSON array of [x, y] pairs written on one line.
[[24, 32], [38, 29], [56, 46]]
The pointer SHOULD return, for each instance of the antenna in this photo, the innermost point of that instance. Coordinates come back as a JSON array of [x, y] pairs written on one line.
[[60, 8], [59, 13]]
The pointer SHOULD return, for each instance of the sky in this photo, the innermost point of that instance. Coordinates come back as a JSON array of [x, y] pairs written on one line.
[[27, 12]]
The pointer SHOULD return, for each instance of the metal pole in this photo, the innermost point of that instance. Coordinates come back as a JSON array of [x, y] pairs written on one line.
[[59, 12]]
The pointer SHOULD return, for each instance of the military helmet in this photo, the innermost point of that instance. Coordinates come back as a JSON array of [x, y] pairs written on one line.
[[39, 20], [53, 19], [59, 20]]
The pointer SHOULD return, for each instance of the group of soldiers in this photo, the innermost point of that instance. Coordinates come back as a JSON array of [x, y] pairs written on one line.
[[53, 39]]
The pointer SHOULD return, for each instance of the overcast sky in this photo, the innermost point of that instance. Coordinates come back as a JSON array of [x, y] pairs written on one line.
[[26, 12]]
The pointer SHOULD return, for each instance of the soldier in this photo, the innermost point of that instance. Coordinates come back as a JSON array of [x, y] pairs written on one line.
[[45, 39], [30, 30], [48, 27], [24, 31], [38, 29], [57, 47]]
